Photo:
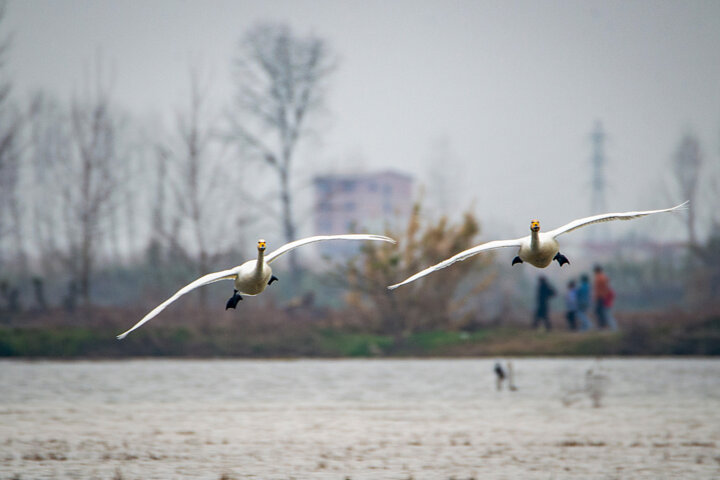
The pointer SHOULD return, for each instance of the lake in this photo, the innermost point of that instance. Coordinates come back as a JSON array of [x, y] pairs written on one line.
[[360, 419]]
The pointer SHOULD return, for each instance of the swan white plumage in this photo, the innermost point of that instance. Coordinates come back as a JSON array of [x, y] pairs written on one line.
[[253, 276], [537, 249]]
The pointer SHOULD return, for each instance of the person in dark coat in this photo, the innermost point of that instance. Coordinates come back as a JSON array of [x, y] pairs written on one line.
[[545, 292]]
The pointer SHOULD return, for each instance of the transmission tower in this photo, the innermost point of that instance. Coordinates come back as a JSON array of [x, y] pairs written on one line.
[[598, 164]]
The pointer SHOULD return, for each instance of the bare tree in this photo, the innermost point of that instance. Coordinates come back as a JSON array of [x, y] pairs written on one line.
[[5, 85], [48, 141], [78, 171], [157, 217], [198, 187], [281, 81], [93, 183], [10, 158], [49, 148], [11, 123], [705, 276], [687, 164], [134, 161]]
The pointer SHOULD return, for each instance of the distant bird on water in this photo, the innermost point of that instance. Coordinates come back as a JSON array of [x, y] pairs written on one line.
[[253, 276], [499, 375], [537, 249]]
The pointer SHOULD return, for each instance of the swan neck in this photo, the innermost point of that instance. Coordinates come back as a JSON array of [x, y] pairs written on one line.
[[534, 239], [260, 260]]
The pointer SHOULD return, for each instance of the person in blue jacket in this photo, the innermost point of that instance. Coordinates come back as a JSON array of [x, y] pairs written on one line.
[[583, 303], [571, 305]]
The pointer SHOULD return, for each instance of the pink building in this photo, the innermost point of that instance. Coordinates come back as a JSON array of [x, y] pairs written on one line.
[[368, 202]]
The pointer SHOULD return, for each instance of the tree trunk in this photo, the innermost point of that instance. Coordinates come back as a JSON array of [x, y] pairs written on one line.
[[39, 290], [85, 269], [288, 223], [692, 234]]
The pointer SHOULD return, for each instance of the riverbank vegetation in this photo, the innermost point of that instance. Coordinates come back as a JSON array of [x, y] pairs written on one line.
[[271, 333], [347, 311]]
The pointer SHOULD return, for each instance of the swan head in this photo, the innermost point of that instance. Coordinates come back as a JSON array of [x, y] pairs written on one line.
[[261, 245], [534, 226]]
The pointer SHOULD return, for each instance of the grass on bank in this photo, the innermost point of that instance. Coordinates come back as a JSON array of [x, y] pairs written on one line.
[[701, 337]]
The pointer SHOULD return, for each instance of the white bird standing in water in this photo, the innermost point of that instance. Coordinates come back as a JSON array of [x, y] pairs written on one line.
[[537, 249], [253, 276]]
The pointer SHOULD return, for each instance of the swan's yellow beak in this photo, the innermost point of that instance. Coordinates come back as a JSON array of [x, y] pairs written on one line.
[[535, 226], [261, 245]]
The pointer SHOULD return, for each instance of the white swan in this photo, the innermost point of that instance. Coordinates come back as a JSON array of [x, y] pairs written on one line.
[[251, 277], [537, 249]]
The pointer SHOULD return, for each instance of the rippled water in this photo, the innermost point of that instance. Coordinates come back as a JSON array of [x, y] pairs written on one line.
[[359, 419]]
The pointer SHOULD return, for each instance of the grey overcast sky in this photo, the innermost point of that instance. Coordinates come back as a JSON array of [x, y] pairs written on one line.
[[511, 89]]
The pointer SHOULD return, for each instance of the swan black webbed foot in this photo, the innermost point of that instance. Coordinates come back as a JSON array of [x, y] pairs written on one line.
[[233, 301], [561, 259], [273, 279], [517, 260]]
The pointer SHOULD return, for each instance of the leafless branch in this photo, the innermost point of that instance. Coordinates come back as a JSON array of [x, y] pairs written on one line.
[[280, 79]]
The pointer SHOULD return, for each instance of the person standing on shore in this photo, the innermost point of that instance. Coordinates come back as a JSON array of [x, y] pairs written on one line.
[[604, 297], [583, 303], [544, 293], [571, 305]]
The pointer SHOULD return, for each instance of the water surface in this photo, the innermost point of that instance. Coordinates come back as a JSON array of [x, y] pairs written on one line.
[[359, 419]]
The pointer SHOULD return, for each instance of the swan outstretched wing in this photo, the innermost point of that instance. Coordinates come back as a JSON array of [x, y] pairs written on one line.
[[460, 257], [304, 241], [607, 217], [204, 280]]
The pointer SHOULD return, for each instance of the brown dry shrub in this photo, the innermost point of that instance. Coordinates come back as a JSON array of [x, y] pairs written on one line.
[[430, 303]]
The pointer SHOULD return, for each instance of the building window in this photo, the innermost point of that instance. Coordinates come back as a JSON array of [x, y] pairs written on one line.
[[349, 206], [387, 189], [322, 186], [347, 185]]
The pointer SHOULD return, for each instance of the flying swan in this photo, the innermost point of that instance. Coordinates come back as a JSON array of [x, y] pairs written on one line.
[[251, 277], [537, 249]]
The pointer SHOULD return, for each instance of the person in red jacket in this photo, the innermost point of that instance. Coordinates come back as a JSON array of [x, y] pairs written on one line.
[[604, 298]]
